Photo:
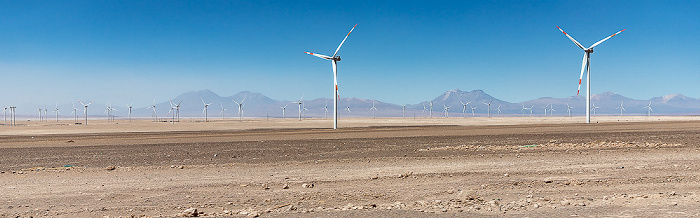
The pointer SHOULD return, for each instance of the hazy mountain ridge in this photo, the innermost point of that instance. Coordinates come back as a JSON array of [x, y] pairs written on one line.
[[259, 105]]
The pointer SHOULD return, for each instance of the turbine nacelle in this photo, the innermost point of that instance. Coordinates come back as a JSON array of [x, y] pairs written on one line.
[[336, 58], [590, 50]]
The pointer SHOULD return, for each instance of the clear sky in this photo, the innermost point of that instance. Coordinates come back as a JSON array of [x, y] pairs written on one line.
[[400, 52]]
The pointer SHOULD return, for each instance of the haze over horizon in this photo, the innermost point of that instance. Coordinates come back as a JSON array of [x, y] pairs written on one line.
[[400, 52]]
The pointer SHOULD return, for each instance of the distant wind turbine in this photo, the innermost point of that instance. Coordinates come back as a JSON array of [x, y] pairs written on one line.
[[403, 111], [373, 109], [568, 109], [473, 108], [594, 108], [283, 109], [130, 106], [56, 110], [222, 111], [299, 103], [155, 115], [240, 108], [447, 110], [85, 111], [621, 107], [464, 108], [205, 111], [649, 110], [489, 108], [499, 110]]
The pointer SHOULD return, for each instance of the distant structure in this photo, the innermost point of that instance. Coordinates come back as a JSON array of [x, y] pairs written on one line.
[[621, 107], [568, 109], [586, 64], [240, 108], [446, 110], [205, 112], [649, 110], [85, 111], [154, 115], [299, 103], [373, 109], [464, 108], [488, 108]]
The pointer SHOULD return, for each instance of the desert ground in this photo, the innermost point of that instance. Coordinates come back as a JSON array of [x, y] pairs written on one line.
[[618, 166]]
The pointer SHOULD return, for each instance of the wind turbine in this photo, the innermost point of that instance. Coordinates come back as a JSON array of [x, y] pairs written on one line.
[[464, 108], [4, 115], [222, 111], [335, 58], [325, 111], [129, 106], [108, 111], [205, 111], [373, 109], [74, 113], [545, 110], [499, 110], [649, 110], [46, 114], [177, 110], [568, 109], [489, 107], [431, 109], [40, 117], [155, 115], [447, 110], [621, 107], [85, 111], [13, 116], [403, 111], [299, 103], [347, 108], [283, 109], [56, 110], [586, 64], [240, 108], [303, 109], [473, 108], [424, 109], [594, 108]]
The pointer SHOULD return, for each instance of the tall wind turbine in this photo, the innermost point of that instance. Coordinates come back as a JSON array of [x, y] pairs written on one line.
[[85, 111], [108, 111], [153, 106], [40, 116], [56, 110], [403, 111], [586, 64], [222, 111], [551, 110], [545, 110], [74, 113], [129, 106], [373, 109], [283, 109], [568, 109], [325, 111], [473, 108], [431, 109], [649, 110], [621, 107], [594, 108], [13, 115], [499, 110], [489, 107], [4, 115], [447, 110], [240, 108], [335, 58], [464, 108], [300, 102], [205, 111]]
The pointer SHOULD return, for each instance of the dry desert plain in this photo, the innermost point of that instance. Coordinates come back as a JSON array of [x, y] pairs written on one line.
[[392, 167]]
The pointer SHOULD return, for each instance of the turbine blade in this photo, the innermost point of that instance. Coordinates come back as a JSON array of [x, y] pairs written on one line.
[[583, 68], [572, 39], [318, 55], [341, 43], [603, 40]]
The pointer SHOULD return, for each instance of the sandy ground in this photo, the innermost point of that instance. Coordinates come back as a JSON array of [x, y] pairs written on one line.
[[554, 166]]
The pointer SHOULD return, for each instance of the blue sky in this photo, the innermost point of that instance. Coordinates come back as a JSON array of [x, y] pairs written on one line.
[[400, 52]]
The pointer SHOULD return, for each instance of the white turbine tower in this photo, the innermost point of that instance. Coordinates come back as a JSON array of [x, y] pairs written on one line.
[[153, 106], [108, 111], [129, 106], [85, 111], [56, 110], [325, 111], [40, 116], [551, 110], [283, 109], [222, 111], [649, 110], [621, 107], [545, 110], [568, 109], [473, 108], [13, 115], [205, 111], [586, 64], [74, 113], [299, 103], [431, 109], [464, 108], [594, 108], [403, 111], [499, 110], [447, 110], [335, 58], [373, 109], [240, 108], [489, 107], [4, 115]]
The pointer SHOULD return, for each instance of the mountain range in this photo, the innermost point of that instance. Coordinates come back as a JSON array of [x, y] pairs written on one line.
[[259, 105]]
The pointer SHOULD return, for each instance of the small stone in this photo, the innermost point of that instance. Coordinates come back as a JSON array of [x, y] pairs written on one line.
[[307, 185], [110, 168], [674, 203], [191, 212], [285, 186], [265, 186], [565, 202], [181, 167], [582, 204], [536, 206], [505, 175]]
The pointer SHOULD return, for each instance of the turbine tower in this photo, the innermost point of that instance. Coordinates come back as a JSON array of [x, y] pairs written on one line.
[[129, 106], [205, 111], [300, 102], [4, 115], [568, 109], [464, 108], [335, 58], [74, 113], [153, 106], [283, 109], [403, 111], [222, 111], [489, 107], [594, 108], [473, 108], [586, 64], [373, 109], [56, 110], [649, 110], [325, 111], [240, 108], [13, 116], [85, 111], [621, 107], [447, 110]]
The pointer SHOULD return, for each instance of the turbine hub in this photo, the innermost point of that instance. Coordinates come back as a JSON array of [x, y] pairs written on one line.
[[589, 50], [336, 58]]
